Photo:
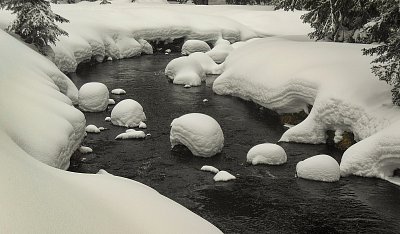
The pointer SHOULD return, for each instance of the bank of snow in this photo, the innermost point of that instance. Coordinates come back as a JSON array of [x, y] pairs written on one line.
[[287, 76]]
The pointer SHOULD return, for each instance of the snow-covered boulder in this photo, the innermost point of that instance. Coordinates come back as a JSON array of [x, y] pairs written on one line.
[[127, 113], [93, 97], [200, 133], [108, 119], [142, 125], [267, 153], [207, 63], [220, 52], [185, 71], [92, 129], [131, 134], [320, 167], [146, 47], [223, 176], [85, 150], [210, 169], [111, 101], [118, 91], [191, 46]]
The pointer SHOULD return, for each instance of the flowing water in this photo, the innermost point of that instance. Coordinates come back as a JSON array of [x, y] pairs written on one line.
[[263, 199]]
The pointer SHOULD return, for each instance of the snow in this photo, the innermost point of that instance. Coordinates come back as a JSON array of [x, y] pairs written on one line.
[[142, 125], [146, 47], [111, 101], [267, 153], [92, 129], [223, 176], [93, 97], [335, 78], [102, 128], [200, 133], [131, 134], [108, 119], [192, 46], [210, 169], [187, 86], [220, 52], [320, 167], [185, 71], [85, 150], [207, 63], [127, 113], [118, 91]]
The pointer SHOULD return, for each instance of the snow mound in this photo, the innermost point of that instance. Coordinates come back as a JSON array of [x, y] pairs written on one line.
[[146, 47], [320, 167], [142, 125], [185, 71], [92, 129], [223, 176], [131, 134], [200, 133], [93, 97], [207, 63], [85, 150], [267, 153], [220, 52], [127, 113], [221, 41], [111, 101], [191, 46], [108, 119], [118, 91], [210, 169]]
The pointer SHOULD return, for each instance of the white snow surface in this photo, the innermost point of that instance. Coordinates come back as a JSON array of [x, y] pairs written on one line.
[[223, 176], [200, 133], [320, 167], [192, 46], [267, 153], [127, 113], [220, 52], [185, 70], [131, 134], [210, 169], [93, 97], [92, 129], [85, 150], [118, 91], [111, 101], [287, 76], [108, 119], [207, 63], [142, 125]]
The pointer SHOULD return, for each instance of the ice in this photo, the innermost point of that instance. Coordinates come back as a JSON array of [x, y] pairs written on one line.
[[200, 133], [132, 134], [127, 113], [142, 125], [223, 176], [118, 91], [92, 129], [108, 119], [210, 169], [320, 167], [85, 150], [111, 101], [186, 71], [220, 52], [192, 46], [207, 63], [93, 97], [267, 153]]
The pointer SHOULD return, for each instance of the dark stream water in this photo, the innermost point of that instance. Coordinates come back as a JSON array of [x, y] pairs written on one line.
[[263, 199]]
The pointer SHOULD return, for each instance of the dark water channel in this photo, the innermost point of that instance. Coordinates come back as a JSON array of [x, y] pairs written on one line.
[[263, 199]]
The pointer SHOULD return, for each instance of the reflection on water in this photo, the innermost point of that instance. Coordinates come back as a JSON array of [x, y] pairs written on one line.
[[263, 199]]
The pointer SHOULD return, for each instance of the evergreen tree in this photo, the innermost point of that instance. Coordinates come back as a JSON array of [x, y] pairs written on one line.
[[35, 22]]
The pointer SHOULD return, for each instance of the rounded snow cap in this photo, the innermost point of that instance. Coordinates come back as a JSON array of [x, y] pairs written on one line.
[[127, 113], [320, 167], [267, 153], [93, 97]]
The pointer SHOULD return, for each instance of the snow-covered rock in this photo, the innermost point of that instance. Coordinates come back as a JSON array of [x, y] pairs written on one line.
[[92, 129], [187, 86], [267, 153], [108, 119], [207, 63], [131, 134], [223, 176], [200, 133], [127, 113], [146, 47], [102, 128], [185, 71], [111, 101], [93, 97], [191, 46], [210, 169], [85, 150], [320, 167], [142, 125], [221, 41], [118, 91], [220, 52]]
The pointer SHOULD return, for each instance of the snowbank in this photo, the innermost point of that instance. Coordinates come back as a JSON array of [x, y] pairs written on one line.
[[287, 76], [192, 46], [320, 167], [127, 113], [34, 114], [200, 133], [185, 71], [93, 97], [267, 153]]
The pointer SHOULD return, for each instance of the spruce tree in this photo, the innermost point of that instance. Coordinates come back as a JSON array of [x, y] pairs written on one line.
[[35, 22]]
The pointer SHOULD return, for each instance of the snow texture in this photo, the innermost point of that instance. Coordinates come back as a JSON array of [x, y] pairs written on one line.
[[223, 176], [210, 169], [108, 119], [207, 63], [131, 134], [267, 153], [200, 133], [92, 129], [111, 101], [127, 113], [93, 97], [142, 125], [118, 91], [320, 167], [85, 150], [220, 52], [185, 71], [192, 46]]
